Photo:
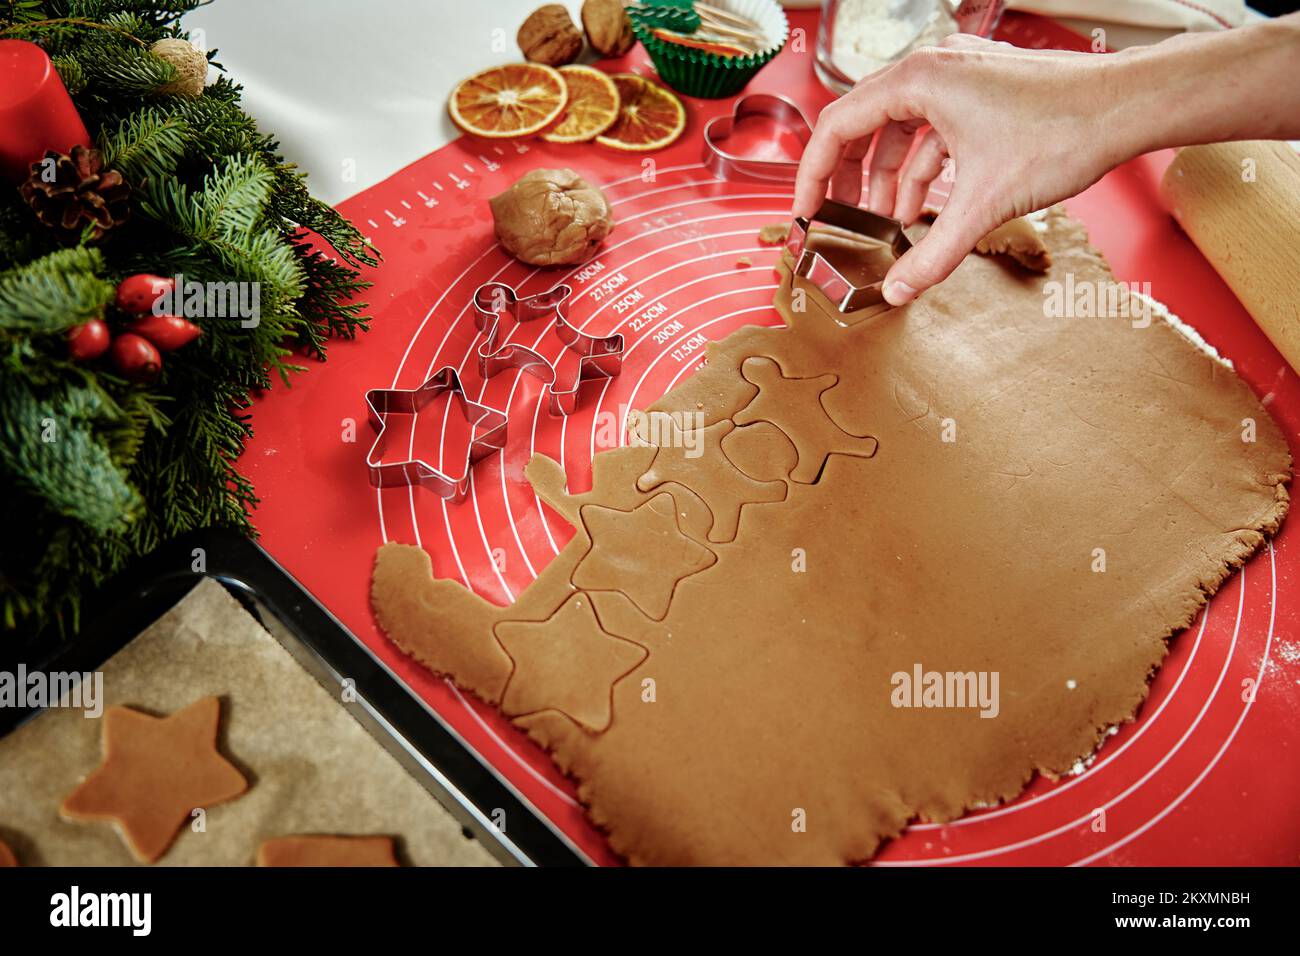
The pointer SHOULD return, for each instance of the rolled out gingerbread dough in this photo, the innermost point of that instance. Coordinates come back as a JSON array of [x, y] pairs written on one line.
[[962, 486]]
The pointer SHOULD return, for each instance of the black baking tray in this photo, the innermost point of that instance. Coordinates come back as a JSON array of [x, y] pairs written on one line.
[[471, 790]]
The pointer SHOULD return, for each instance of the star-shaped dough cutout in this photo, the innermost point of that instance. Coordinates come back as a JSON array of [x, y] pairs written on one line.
[[641, 553], [566, 663], [794, 405], [156, 771], [692, 457]]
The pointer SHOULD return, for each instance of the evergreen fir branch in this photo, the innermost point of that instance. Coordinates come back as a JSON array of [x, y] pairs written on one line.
[[263, 257], [54, 293], [329, 300], [130, 25], [147, 145], [225, 218], [198, 451], [49, 451], [229, 203], [136, 413], [59, 563], [21, 11], [219, 204], [70, 72], [234, 196], [219, 127], [223, 89], [131, 71], [19, 242], [32, 29], [296, 204], [58, 38], [157, 13]]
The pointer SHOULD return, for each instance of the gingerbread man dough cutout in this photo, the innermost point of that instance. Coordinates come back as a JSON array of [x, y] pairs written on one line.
[[794, 406], [697, 462]]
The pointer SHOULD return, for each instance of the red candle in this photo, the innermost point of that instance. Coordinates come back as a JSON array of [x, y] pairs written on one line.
[[36, 112]]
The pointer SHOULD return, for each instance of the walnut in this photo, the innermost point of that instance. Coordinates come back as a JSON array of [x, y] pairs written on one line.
[[551, 217], [550, 36], [609, 30]]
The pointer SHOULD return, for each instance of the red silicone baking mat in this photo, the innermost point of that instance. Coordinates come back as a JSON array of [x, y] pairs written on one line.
[[1207, 774]]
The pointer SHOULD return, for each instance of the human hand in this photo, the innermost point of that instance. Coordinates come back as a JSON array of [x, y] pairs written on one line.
[[1022, 128]]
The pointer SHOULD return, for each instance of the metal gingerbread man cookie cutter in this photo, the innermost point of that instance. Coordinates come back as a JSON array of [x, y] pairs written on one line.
[[847, 295], [487, 435], [599, 356]]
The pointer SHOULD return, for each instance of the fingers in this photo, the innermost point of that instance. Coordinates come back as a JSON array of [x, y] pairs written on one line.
[[855, 116], [892, 145], [961, 224], [925, 165], [846, 185]]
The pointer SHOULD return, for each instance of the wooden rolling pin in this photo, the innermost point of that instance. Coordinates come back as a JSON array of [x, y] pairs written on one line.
[[1240, 203]]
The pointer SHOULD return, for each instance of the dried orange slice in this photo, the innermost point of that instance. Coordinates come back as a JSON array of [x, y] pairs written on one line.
[[649, 116], [509, 102], [592, 106]]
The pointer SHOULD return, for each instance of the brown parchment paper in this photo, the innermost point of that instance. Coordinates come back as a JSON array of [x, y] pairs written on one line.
[[311, 767]]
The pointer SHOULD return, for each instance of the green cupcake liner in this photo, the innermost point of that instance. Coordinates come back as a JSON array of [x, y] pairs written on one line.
[[698, 72]]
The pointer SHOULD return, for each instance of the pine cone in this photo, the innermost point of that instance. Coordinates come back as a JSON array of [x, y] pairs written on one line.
[[77, 193]]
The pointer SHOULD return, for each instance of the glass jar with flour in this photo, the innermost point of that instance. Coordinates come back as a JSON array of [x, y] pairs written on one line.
[[858, 37]]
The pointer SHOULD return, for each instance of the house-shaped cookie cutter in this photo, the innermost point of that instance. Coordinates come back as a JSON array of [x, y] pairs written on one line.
[[599, 356], [847, 296], [487, 435]]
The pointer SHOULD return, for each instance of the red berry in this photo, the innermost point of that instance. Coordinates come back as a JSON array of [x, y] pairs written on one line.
[[138, 293], [135, 357], [88, 341], [168, 332]]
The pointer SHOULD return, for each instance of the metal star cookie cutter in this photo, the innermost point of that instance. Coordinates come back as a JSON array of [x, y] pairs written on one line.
[[728, 165], [847, 296], [487, 434], [599, 356]]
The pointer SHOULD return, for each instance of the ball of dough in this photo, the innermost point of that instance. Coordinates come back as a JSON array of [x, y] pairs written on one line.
[[191, 66], [551, 217]]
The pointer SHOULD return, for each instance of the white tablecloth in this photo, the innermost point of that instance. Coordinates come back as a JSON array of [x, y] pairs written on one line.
[[355, 91]]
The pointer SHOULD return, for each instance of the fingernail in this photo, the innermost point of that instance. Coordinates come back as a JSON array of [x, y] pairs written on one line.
[[899, 293]]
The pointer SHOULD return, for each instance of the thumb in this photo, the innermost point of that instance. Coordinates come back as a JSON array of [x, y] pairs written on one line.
[[959, 226]]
